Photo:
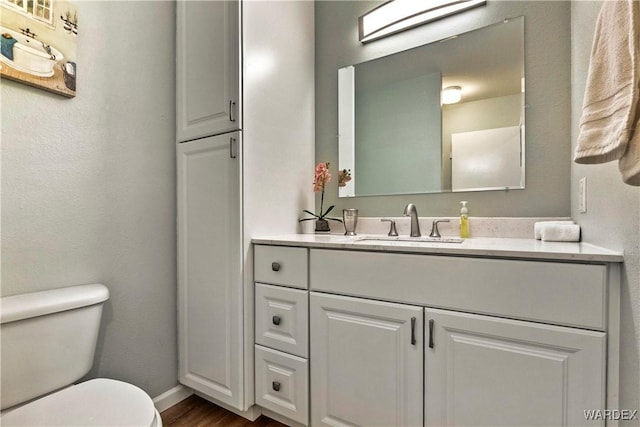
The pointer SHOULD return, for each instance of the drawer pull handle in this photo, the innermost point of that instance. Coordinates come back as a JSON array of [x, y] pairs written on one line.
[[431, 345], [231, 104], [275, 266], [276, 320], [413, 331], [233, 148], [275, 385]]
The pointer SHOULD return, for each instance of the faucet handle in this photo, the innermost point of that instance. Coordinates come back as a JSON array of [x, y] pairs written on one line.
[[392, 230], [434, 228]]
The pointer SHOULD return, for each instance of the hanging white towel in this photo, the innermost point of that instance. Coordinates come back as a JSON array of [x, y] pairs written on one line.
[[610, 113], [629, 163]]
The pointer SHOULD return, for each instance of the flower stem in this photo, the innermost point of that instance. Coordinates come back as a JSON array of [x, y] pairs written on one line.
[[321, 202]]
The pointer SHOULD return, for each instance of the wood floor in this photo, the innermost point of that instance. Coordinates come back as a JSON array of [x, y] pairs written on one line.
[[195, 411]]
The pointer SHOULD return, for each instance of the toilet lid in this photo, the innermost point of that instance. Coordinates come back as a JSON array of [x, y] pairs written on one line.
[[98, 402]]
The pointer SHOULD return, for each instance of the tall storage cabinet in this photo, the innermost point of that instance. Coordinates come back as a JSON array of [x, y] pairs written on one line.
[[244, 170]]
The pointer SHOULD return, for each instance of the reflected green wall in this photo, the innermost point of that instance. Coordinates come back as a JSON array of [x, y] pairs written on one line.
[[397, 129]]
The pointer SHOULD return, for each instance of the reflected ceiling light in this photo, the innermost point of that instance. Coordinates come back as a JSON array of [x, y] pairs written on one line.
[[394, 16], [451, 95]]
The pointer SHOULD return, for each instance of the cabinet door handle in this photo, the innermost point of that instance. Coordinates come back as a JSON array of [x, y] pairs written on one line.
[[276, 320], [233, 147], [275, 385], [275, 266], [413, 331], [231, 117], [431, 345]]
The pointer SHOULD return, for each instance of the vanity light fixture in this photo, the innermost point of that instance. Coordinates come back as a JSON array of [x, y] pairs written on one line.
[[394, 16], [451, 95]]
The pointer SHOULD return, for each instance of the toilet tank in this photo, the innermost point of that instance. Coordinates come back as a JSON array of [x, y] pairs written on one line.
[[47, 340]]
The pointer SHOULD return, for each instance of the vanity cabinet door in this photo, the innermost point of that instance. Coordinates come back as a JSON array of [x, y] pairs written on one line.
[[210, 317], [484, 371], [366, 362], [207, 68]]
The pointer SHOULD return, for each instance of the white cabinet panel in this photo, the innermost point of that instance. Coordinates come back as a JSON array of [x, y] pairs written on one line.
[[282, 384], [366, 362], [209, 267], [208, 68], [282, 319], [528, 290], [281, 265], [483, 371]]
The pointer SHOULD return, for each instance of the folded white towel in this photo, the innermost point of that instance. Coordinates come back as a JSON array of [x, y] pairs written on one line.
[[609, 113], [538, 226], [561, 233]]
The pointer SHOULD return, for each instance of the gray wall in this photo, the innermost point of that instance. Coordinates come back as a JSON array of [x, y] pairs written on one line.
[[88, 186], [612, 219], [547, 49]]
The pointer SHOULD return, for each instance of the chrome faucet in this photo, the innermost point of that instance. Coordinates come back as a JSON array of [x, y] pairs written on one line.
[[434, 227], [410, 210]]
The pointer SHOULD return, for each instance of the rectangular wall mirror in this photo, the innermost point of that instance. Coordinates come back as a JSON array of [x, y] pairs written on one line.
[[398, 136]]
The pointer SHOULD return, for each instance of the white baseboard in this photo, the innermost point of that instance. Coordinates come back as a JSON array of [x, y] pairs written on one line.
[[171, 397]]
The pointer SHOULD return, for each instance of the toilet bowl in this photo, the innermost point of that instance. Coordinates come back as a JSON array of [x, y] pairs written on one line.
[[48, 342]]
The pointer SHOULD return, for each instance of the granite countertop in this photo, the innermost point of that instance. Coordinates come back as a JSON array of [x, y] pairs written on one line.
[[497, 247]]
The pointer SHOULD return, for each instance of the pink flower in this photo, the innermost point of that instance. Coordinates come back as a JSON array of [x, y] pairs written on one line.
[[322, 177], [321, 168], [344, 176]]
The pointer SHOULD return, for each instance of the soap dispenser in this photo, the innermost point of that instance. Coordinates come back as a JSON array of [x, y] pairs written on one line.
[[464, 220]]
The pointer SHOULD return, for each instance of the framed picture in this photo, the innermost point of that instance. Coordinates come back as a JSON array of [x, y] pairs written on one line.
[[38, 43]]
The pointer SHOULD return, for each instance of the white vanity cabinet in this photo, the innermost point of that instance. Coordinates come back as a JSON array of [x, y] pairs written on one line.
[[404, 336], [486, 362], [207, 68], [366, 362]]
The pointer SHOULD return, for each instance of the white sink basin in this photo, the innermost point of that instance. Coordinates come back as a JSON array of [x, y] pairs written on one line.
[[424, 239]]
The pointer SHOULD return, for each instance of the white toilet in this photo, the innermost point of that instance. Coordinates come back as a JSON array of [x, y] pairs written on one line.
[[48, 341]]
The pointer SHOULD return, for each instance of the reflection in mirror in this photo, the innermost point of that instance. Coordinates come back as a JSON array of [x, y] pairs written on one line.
[[397, 136]]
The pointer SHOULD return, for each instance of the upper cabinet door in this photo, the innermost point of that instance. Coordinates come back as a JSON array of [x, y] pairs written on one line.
[[366, 362], [484, 371], [208, 68]]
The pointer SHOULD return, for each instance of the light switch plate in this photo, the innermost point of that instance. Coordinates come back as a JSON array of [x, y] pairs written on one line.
[[582, 195]]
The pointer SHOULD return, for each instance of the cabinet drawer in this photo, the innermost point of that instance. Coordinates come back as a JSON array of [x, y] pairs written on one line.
[[281, 265], [282, 383], [282, 319], [550, 292]]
